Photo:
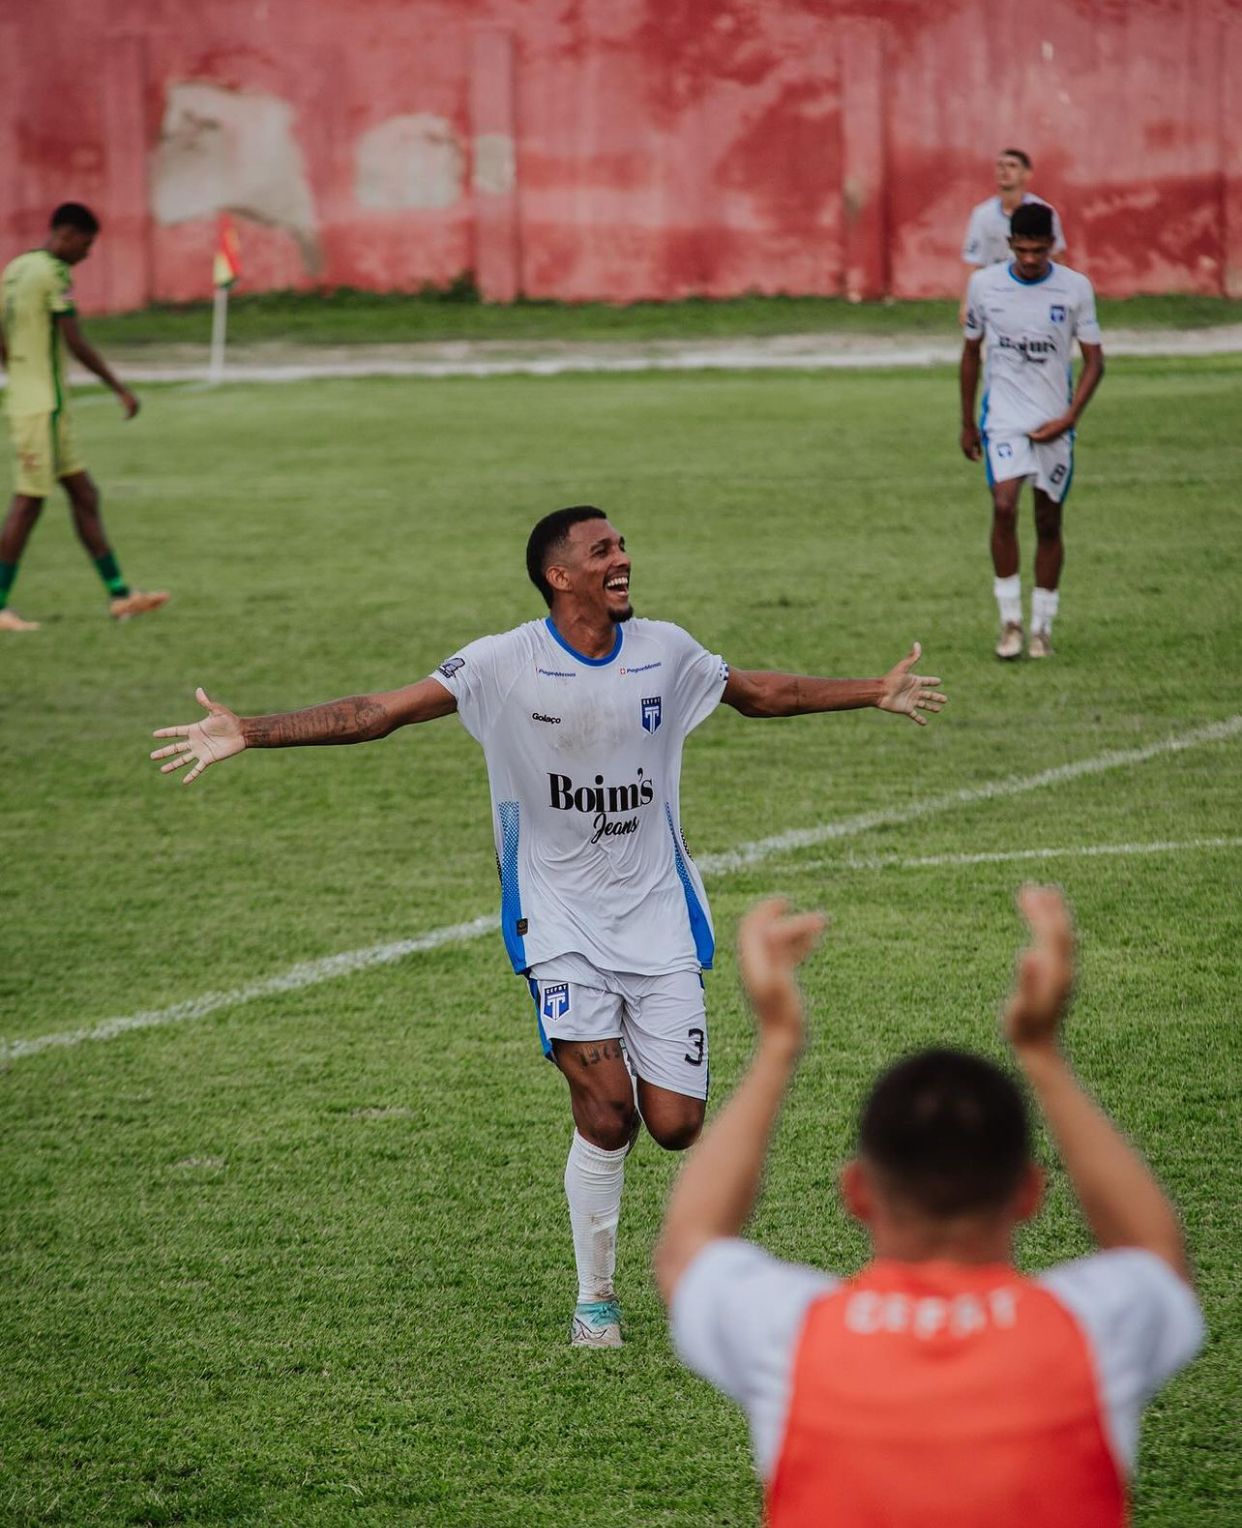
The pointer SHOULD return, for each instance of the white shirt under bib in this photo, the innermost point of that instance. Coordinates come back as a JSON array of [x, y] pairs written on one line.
[[1030, 327], [738, 1313], [584, 762]]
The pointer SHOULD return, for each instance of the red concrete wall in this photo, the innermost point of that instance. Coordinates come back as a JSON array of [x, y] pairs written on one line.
[[619, 149]]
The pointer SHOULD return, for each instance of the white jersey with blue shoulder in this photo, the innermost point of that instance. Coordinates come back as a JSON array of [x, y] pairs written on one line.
[[1030, 327], [584, 763]]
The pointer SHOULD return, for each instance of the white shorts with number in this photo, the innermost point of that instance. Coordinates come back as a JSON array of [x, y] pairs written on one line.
[[660, 1020], [1048, 464]]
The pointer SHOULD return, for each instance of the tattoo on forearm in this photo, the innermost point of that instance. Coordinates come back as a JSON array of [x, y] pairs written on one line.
[[356, 719]]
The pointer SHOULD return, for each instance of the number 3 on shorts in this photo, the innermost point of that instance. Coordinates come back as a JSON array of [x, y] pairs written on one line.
[[696, 1039]]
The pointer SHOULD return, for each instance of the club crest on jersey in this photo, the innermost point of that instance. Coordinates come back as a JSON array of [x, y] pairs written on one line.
[[1057, 313], [651, 713], [554, 1000]]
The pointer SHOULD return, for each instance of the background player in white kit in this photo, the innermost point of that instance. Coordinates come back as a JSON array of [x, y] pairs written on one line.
[[987, 232], [1030, 311], [582, 718]]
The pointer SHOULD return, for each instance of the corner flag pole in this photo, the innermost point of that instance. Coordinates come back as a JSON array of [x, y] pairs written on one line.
[[219, 326], [226, 268]]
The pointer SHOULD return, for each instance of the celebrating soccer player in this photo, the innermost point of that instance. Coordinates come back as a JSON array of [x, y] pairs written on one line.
[[39, 319], [1030, 312], [582, 717]]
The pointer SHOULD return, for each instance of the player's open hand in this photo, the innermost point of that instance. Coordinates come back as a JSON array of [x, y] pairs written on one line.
[[129, 403], [910, 694], [1044, 981], [218, 736], [971, 442], [1052, 429], [772, 943]]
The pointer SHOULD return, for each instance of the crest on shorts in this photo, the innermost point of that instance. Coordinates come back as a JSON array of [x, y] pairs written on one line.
[[1003, 448], [1057, 313], [651, 713], [554, 1000]]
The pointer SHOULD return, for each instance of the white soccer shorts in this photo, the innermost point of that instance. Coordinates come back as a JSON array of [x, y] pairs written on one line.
[[1047, 464], [660, 1020]]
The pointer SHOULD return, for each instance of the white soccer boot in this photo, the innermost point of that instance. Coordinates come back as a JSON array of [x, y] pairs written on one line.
[[596, 1324], [1010, 644], [1040, 645]]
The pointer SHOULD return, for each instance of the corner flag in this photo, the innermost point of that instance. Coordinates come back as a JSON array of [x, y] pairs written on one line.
[[225, 269]]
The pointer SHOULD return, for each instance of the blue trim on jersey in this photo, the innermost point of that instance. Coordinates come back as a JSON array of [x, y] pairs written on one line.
[[510, 892], [582, 657], [1039, 280], [704, 941], [543, 1035]]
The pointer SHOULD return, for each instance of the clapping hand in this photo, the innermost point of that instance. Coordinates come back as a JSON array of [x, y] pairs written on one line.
[[1044, 982], [772, 943]]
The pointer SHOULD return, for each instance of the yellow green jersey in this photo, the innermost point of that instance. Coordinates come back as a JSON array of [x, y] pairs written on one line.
[[36, 287]]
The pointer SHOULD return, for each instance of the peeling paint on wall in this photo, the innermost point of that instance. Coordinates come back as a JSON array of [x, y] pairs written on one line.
[[495, 164], [633, 149], [409, 162], [232, 150]]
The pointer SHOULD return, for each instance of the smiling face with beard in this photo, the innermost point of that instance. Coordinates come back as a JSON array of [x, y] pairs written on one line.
[[589, 573]]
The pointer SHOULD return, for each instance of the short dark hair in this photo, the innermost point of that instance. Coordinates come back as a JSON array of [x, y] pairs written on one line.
[[1032, 220], [75, 215], [947, 1133], [1016, 154], [548, 537]]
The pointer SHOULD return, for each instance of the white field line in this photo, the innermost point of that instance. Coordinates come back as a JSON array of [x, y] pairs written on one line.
[[308, 974], [311, 973], [991, 790], [1011, 856]]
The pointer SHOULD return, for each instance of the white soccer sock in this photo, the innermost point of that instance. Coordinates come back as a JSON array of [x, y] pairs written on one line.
[[593, 1181], [1043, 608], [1008, 592]]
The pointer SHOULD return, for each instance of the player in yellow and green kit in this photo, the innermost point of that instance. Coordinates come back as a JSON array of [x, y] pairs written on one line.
[[39, 321]]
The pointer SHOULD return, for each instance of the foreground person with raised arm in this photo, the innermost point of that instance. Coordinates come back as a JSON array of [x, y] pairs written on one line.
[[582, 717], [939, 1387]]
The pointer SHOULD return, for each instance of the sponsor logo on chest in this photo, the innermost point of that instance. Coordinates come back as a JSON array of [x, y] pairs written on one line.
[[613, 808]]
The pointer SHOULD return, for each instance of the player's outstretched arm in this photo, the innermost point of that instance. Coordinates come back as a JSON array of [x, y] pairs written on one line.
[[1121, 1201], [767, 694], [355, 719], [718, 1186]]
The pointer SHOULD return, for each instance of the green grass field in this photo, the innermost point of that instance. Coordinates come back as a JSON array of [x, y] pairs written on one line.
[[305, 1260]]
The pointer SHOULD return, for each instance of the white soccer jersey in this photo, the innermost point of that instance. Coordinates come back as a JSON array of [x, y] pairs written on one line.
[[987, 233], [1030, 328], [584, 761]]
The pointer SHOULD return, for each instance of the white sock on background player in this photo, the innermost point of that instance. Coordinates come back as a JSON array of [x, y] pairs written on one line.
[[593, 1182], [1008, 592], [1043, 608]]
